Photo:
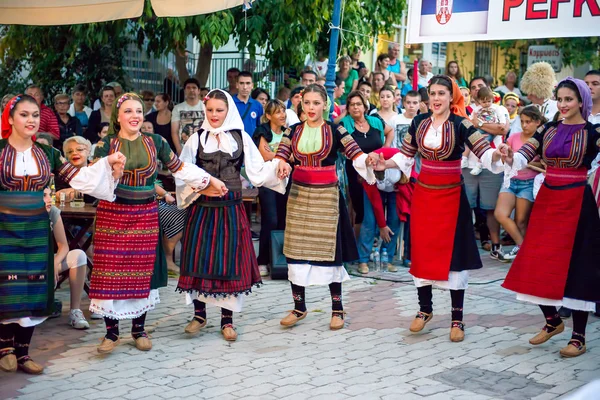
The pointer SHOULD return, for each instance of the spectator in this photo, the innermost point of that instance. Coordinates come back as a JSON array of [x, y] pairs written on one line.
[[408, 85], [356, 64], [483, 189], [308, 77], [387, 110], [378, 82], [592, 78], [118, 89], [78, 109], [5, 99], [291, 113], [261, 95], [383, 61], [101, 134], [148, 98], [161, 118], [172, 221], [396, 66], [453, 71], [348, 75], [250, 110], [68, 125], [337, 93], [44, 138], [366, 89], [48, 120], [272, 204], [203, 92], [283, 94], [187, 117], [467, 97], [398, 99], [425, 74], [77, 150], [510, 101], [424, 105], [318, 66], [538, 82], [401, 122], [518, 196], [510, 85], [107, 97], [75, 261], [147, 127], [232, 74]]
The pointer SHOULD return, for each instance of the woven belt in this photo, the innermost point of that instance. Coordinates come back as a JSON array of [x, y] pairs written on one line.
[[215, 204], [439, 187]]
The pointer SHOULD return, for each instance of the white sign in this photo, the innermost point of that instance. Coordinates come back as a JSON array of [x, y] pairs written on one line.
[[469, 20], [549, 54]]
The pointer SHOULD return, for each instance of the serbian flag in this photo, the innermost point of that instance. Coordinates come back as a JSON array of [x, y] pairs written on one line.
[[454, 17]]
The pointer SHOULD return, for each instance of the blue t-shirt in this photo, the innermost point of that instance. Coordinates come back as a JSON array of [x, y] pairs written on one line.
[[250, 113], [82, 117]]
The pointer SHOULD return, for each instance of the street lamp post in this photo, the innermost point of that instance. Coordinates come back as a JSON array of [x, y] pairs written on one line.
[[333, 49]]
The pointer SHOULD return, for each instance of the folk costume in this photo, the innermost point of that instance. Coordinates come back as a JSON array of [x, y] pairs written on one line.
[[563, 271], [318, 236], [27, 262], [218, 263], [442, 237], [129, 264]]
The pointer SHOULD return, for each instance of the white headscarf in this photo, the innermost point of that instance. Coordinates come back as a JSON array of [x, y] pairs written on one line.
[[233, 121]]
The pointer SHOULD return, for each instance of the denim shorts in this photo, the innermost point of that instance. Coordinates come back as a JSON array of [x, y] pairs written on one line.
[[482, 190], [521, 188]]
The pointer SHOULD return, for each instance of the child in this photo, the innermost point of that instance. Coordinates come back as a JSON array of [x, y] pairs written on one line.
[[147, 127], [488, 113], [101, 134]]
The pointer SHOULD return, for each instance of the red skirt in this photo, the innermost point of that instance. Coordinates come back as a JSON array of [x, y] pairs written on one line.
[[542, 265], [433, 219], [125, 242]]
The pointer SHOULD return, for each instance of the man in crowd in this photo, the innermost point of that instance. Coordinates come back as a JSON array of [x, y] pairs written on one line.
[[308, 77], [483, 189], [48, 121], [425, 74], [378, 83], [366, 89], [396, 65], [187, 117], [250, 110], [232, 74], [78, 109]]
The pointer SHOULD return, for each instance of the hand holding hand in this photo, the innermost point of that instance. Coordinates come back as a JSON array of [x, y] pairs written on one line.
[[283, 170], [169, 198], [380, 164], [215, 188]]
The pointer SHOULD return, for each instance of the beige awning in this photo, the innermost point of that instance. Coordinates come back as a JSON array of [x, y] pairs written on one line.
[[67, 12]]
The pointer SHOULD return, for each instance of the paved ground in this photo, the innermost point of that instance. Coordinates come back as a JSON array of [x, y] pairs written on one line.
[[374, 357]]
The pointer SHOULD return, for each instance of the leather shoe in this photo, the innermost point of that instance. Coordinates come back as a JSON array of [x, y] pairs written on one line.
[[420, 320], [229, 333], [573, 349], [392, 268], [107, 345], [30, 367], [457, 331], [8, 363], [363, 268], [143, 343], [543, 336], [292, 318], [337, 320], [195, 325]]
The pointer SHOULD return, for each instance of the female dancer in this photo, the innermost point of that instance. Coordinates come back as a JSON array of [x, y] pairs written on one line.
[[127, 271], [565, 210], [27, 265], [518, 196], [318, 235], [443, 243], [218, 264]]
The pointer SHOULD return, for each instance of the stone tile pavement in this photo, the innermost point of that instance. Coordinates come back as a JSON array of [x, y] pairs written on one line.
[[374, 357]]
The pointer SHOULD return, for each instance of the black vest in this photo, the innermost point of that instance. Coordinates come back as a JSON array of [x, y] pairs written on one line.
[[221, 165]]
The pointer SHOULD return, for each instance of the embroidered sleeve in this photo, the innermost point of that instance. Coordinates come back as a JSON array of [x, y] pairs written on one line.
[[408, 145], [284, 150], [533, 146], [351, 149], [168, 157], [475, 140]]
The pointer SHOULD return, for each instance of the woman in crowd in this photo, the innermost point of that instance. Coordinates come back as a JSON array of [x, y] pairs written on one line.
[[383, 62], [218, 263], [77, 150], [172, 221], [388, 110], [68, 126], [511, 101], [161, 118], [510, 85], [103, 115], [127, 270], [75, 261], [518, 196], [443, 242], [272, 204], [453, 71], [467, 96], [261, 95], [565, 211], [318, 234], [27, 298], [348, 75], [370, 133]]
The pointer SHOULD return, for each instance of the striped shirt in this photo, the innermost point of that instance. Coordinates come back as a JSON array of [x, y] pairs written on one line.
[[48, 122]]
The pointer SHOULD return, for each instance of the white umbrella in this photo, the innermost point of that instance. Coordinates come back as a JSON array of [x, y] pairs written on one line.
[[67, 12]]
